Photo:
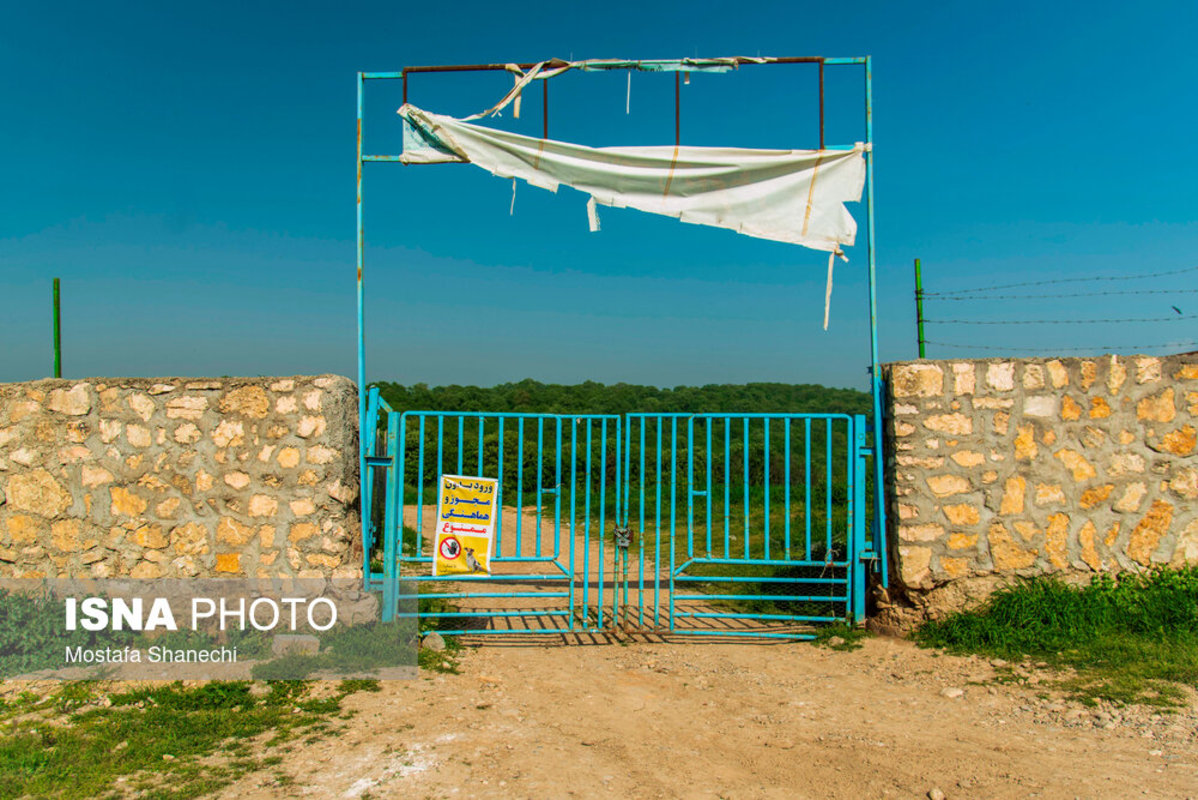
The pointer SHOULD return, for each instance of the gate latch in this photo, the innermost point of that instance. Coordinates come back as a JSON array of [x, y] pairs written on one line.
[[623, 537]]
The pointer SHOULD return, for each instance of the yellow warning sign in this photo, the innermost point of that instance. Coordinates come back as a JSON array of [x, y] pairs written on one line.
[[465, 525]]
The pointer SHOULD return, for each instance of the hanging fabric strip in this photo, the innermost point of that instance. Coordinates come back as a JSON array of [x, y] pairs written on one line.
[[592, 214], [828, 289], [768, 194]]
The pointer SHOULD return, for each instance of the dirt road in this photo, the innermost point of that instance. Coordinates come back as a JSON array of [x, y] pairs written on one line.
[[687, 720]]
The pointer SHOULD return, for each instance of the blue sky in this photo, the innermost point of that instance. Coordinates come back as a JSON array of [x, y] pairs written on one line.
[[188, 171]]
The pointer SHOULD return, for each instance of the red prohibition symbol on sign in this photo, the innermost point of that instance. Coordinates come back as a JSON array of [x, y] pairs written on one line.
[[450, 548]]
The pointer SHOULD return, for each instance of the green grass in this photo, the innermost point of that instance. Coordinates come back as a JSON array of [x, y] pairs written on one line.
[[169, 742], [1131, 638]]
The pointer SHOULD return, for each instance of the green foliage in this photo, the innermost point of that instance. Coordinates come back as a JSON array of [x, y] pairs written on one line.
[[1127, 636], [529, 396], [169, 742], [33, 635]]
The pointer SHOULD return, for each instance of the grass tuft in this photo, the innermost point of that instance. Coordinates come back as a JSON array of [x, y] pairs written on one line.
[[1131, 638]]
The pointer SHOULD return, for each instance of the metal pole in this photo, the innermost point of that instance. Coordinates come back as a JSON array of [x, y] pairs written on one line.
[[362, 432], [57, 334], [919, 308], [875, 376]]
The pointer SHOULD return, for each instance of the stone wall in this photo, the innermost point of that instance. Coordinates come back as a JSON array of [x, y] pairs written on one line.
[[179, 477], [1002, 468]]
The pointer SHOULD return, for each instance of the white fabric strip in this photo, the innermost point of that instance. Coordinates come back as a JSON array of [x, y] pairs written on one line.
[[768, 194]]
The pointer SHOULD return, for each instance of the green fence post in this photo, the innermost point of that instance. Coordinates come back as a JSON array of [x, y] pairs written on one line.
[[919, 308], [57, 335]]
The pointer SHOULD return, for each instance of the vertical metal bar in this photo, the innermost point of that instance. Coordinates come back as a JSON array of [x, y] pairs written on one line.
[[499, 498], [440, 472], [405, 86], [766, 481], [419, 478], [365, 511], [690, 501], [602, 512], [557, 492], [599, 599], [573, 529], [540, 479], [875, 374], [727, 487], [586, 527], [745, 461], [677, 109], [828, 488], [545, 108], [390, 529], [673, 511], [919, 309], [786, 503], [857, 501], [481, 473], [57, 333], [821, 104], [519, 480], [707, 488], [657, 534], [807, 484], [461, 443]]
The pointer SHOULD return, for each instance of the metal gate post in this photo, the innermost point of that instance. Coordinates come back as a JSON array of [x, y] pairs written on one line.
[[392, 514], [857, 504]]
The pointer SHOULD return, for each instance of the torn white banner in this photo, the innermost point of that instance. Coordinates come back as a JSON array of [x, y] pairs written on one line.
[[794, 196]]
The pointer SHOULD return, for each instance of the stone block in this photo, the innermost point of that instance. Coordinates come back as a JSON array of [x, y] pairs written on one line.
[[917, 380], [1148, 369], [914, 562], [37, 492], [948, 485], [920, 533], [964, 378], [247, 401], [1144, 538], [1001, 377], [1048, 494], [1070, 410], [1076, 463], [962, 514], [1132, 498], [956, 424], [968, 458], [1056, 540], [228, 563], [1058, 374], [1006, 553], [1013, 495], [1116, 375], [1157, 408], [1025, 443], [1040, 406], [74, 402]]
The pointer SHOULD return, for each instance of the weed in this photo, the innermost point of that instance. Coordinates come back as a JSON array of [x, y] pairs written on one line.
[[1131, 638], [847, 637]]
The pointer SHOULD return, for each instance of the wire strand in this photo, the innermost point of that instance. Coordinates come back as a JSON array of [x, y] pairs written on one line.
[[1055, 321], [1064, 349], [1074, 294], [1064, 280]]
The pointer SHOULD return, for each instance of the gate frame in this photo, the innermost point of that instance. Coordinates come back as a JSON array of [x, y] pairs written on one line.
[[368, 412]]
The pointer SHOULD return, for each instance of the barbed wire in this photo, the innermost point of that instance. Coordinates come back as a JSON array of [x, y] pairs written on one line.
[[1056, 321], [1074, 294], [1065, 349], [1063, 280]]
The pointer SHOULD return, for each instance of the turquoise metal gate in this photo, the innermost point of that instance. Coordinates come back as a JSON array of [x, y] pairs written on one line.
[[708, 524]]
